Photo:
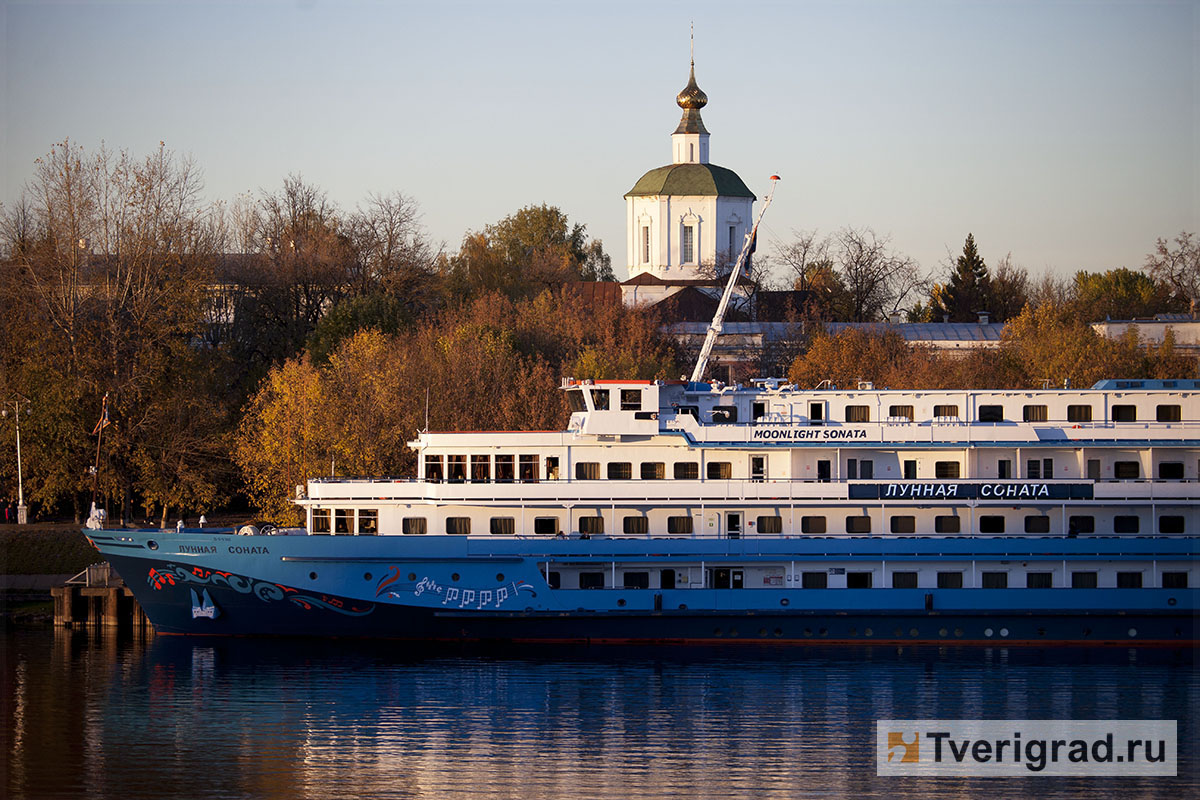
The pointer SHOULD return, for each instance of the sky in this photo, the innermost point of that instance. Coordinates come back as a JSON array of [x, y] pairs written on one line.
[[1063, 134]]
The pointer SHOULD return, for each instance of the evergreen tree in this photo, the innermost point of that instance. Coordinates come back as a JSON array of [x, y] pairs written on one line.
[[969, 289]]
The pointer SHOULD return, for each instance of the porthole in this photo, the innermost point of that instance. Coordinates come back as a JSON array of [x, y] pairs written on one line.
[[943, 632], [412, 576], [898, 632], [1170, 600], [1132, 632], [783, 601], [913, 631], [868, 632], [366, 576], [621, 601], [762, 631], [808, 631], [500, 577], [823, 632], [987, 632], [854, 631], [716, 631], [958, 632], [733, 632], [153, 545], [312, 576], [455, 576], [683, 606], [1004, 631], [779, 632]]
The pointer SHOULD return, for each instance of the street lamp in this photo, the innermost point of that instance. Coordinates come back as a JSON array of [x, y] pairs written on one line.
[[22, 511]]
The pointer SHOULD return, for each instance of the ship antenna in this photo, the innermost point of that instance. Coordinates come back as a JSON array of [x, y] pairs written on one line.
[[426, 410], [714, 328]]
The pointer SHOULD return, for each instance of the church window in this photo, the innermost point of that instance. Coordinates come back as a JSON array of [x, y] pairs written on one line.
[[689, 244], [691, 152], [732, 242], [645, 244]]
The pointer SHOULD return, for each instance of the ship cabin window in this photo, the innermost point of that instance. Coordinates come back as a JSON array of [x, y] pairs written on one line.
[[1034, 413], [910, 470], [456, 468], [637, 580], [1040, 469], [1004, 469], [858, 413], [692, 411], [434, 471], [812, 525], [1170, 524], [589, 526], [343, 520], [687, 471], [504, 469], [758, 411], [816, 413], [545, 526], [1170, 471], [503, 526], [995, 580], [554, 579], [858, 580], [904, 524], [1124, 413], [1079, 413], [654, 471], [946, 470], [636, 525], [991, 523], [1129, 580], [1126, 523], [620, 471], [949, 580], [900, 412], [600, 399], [679, 525], [481, 469], [991, 413], [1127, 470], [551, 468], [1036, 523], [1174, 580], [575, 400], [631, 399], [814, 580], [947, 524], [320, 520], [1169, 413], [858, 524], [724, 415], [720, 470], [527, 468], [770, 524], [856, 469], [1081, 523], [666, 579], [368, 521], [946, 411], [1084, 580], [591, 580], [904, 580], [587, 471], [416, 526], [458, 526], [1039, 580]]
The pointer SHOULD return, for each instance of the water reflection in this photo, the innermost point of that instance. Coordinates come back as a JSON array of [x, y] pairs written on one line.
[[108, 717]]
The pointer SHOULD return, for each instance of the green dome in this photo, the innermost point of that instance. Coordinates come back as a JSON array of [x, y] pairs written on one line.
[[690, 180]]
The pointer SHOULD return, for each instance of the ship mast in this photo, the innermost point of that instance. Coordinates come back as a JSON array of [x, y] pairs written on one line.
[[714, 328]]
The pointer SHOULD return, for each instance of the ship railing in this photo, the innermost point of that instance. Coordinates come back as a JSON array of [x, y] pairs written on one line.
[[101, 574]]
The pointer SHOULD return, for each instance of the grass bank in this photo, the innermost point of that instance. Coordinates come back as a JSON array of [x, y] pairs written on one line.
[[44, 549]]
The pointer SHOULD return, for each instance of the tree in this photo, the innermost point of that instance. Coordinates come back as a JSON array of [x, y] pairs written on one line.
[[1117, 294], [877, 280], [968, 290], [1178, 267], [1010, 290]]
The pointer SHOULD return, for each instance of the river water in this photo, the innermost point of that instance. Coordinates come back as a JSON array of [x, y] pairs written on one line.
[[110, 716]]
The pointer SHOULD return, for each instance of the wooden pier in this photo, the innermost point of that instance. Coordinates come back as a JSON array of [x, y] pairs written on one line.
[[97, 597]]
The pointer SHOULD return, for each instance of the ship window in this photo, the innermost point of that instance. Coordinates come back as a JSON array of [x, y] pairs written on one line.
[[414, 525], [720, 470], [600, 399], [433, 469], [587, 471], [590, 525], [1083, 523], [900, 412], [1033, 468], [724, 414], [691, 411], [636, 525], [1174, 580], [1035, 523], [858, 524], [904, 580], [770, 524], [852, 469], [858, 580], [460, 526], [456, 468], [904, 524], [1126, 524], [679, 524], [343, 520], [503, 526], [1083, 580], [654, 471], [631, 399], [1004, 469], [620, 471], [1170, 524], [991, 524], [910, 470], [545, 526], [504, 469], [1129, 580], [637, 580], [575, 400], [554, 579], [1169, 413], [858, 413], [368, 521], [945, 411], [687, 471], [947, 524], [481, 469], [1079, 413], [1039, 580], [591, 580], [995, 580], [320, 520], [758, 410], [666, 579], [528, 468], [949, 580], [991, 413], [1127, 470], [814, 580], [1124, 413], [1170, 471], [946, 469], [1034, 413], [812, 525]]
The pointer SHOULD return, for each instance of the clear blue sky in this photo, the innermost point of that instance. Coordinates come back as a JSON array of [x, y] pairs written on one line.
[[1066, 133]]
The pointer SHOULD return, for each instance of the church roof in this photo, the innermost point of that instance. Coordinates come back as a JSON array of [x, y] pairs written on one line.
[[690, 180]]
